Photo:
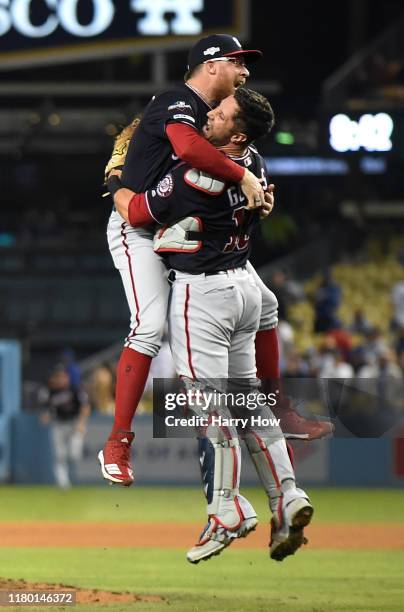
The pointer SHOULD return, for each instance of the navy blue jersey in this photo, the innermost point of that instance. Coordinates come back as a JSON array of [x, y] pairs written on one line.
[[221, 217], [150, 155]]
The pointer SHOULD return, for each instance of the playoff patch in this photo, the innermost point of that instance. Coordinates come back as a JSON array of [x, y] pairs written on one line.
[[165, 186], [180, 104]]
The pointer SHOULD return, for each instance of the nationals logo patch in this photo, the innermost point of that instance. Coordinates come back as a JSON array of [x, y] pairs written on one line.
[[165, 186]]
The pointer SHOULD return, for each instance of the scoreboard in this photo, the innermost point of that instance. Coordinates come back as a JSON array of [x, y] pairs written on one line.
[[39, 32]]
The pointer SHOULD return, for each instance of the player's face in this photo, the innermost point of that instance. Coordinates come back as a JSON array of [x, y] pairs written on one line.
[[59, 380], [220, 125], [231, 72]]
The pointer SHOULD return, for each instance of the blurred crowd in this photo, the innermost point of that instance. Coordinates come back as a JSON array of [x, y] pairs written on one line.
[[356, 349], [379, 76]]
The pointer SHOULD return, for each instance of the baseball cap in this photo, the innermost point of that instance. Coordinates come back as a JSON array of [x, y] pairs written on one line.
[[219, 45]]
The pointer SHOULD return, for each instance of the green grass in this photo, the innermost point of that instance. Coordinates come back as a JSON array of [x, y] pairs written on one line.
[[181, 505], [238, 581]]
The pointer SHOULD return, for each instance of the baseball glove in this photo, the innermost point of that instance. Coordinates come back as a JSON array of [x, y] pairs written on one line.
[[120, 148]]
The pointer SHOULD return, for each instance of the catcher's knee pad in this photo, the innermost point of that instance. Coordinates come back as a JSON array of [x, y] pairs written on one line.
[[269, 312]]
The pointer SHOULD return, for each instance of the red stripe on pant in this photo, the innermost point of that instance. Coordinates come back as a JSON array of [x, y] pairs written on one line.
[[187, 334], [132, 280]]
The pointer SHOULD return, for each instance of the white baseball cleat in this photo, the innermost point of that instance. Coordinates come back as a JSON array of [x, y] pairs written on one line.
[[215, 538], [297, 513]]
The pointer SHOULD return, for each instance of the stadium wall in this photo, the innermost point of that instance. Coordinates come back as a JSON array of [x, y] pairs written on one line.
[[331, 462]]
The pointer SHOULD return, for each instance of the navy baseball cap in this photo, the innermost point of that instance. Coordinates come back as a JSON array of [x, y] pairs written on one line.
[[219, 45]]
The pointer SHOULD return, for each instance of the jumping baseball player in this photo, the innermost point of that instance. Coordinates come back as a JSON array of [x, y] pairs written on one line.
[[168, 131], [215, 311]]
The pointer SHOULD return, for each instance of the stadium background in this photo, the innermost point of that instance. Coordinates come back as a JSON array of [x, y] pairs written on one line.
[[60, 299]]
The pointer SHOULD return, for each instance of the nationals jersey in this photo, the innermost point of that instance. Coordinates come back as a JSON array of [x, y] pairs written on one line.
[[225, 226], [150, 154]]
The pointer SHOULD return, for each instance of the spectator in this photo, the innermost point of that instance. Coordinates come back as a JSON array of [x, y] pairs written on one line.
[[102, 389], [330, 362], [397, 297], [287, 292], [360, 324], [337, 367], [384, 365], [399, 341], [343, 341], [327, 299], [385, 382], [294, 367], [374, 345]]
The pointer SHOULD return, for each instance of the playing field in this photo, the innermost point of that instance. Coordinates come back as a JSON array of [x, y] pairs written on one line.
[[134, 540]]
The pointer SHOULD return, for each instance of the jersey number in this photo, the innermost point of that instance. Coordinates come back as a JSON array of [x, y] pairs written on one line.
[[239, 242]]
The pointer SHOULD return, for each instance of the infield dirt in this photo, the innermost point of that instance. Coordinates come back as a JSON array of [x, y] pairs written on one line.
[[369, 536]]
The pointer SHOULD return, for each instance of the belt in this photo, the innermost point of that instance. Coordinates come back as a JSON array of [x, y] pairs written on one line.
[[171, 276], [225, 271]]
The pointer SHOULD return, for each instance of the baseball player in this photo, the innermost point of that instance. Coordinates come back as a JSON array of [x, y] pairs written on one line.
[[215, 311], [168, 131], [66, 409]]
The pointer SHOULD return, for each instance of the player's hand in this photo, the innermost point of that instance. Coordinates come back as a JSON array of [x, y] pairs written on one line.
[[80, 427], [267, 208], [252, 189]]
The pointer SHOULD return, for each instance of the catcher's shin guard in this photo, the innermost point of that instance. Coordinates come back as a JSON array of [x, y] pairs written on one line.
[[207, 463], [272, 463], [230, 515], [223, 502], [220, 461]]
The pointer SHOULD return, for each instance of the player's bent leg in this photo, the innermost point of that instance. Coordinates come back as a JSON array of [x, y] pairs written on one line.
[[144, 279], [291, 507]]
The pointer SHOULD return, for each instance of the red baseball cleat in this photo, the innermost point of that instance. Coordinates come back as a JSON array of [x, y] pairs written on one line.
[[115, 459], [297, 427]]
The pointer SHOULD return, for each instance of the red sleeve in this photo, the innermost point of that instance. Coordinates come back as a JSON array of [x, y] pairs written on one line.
[[192, 148], [138, 211]]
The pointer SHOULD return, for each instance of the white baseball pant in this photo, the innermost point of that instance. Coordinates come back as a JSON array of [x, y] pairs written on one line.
[[67, 446], [144, 277], [212, 324]]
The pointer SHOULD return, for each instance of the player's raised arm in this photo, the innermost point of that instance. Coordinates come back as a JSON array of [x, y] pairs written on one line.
[[194, 149]]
